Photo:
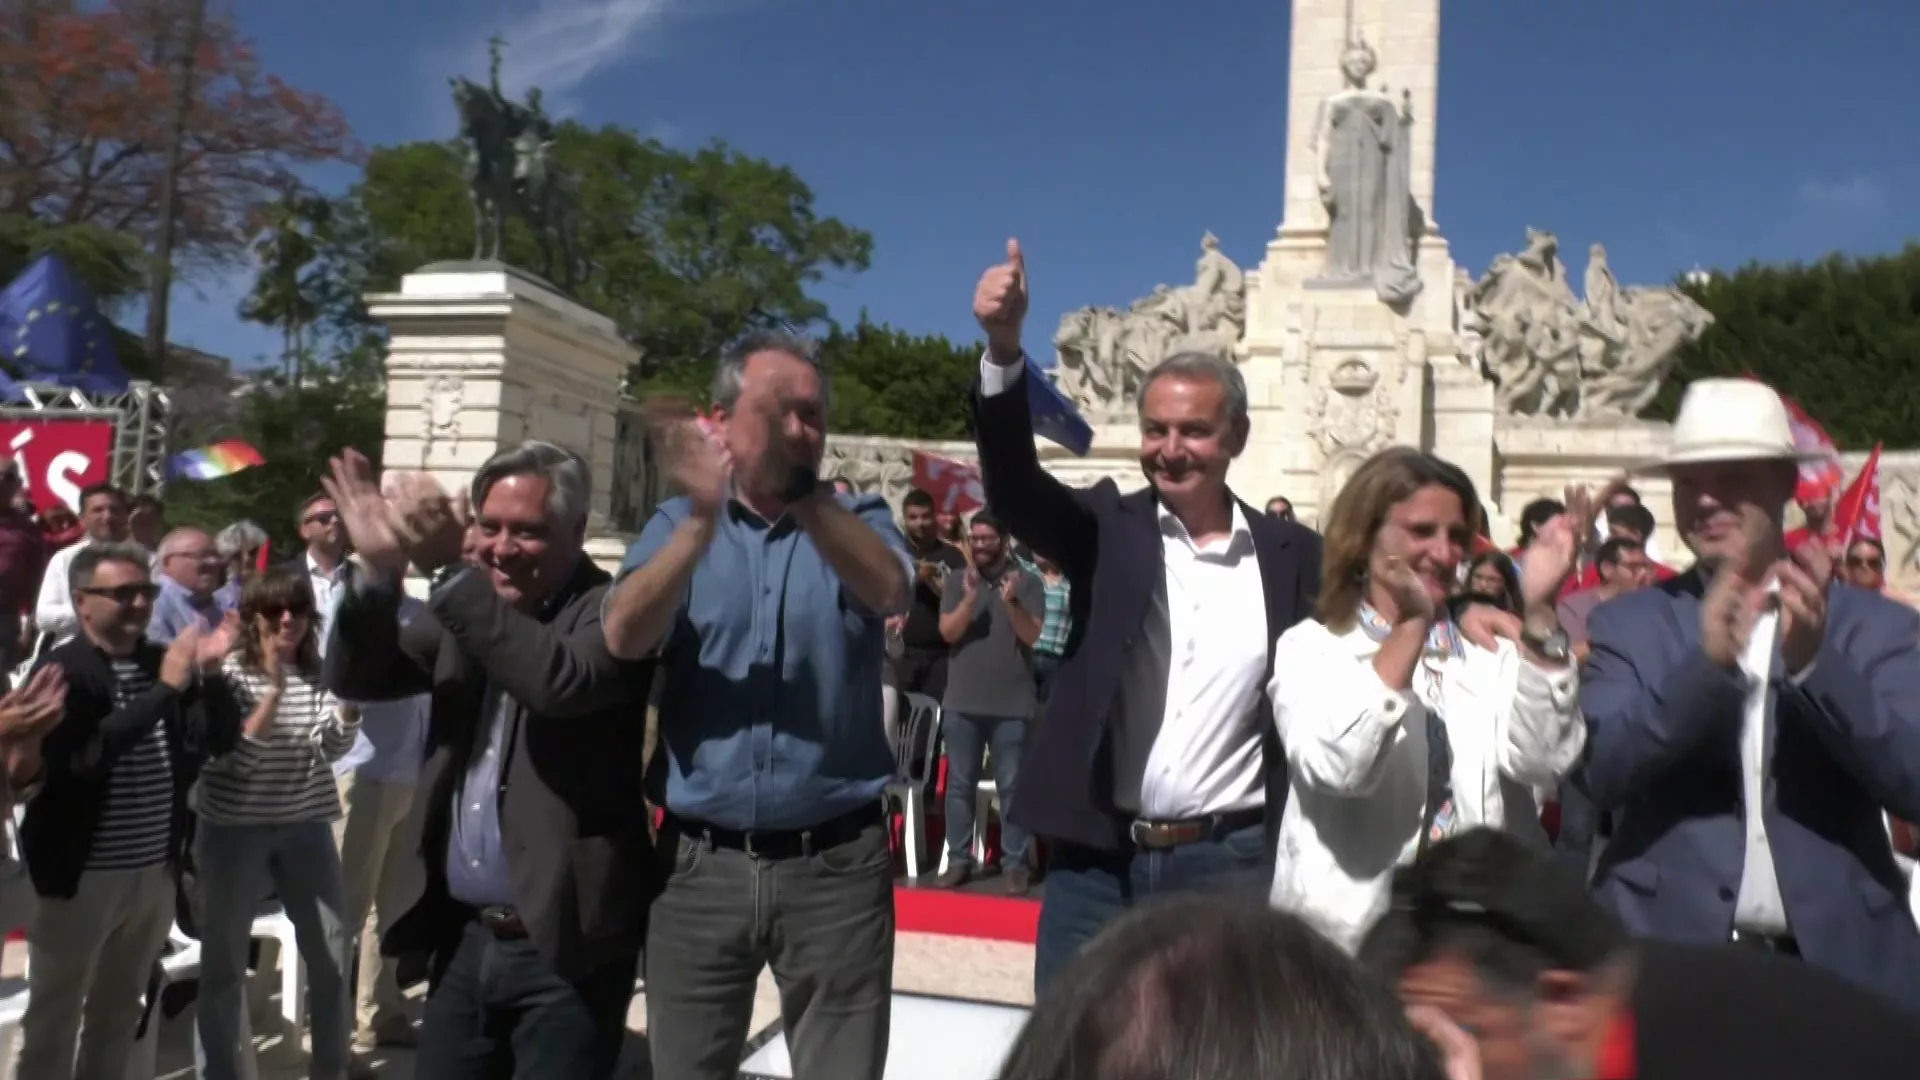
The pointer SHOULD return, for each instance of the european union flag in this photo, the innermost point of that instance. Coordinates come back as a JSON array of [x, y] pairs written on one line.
[[50, 329], [1054, 417]]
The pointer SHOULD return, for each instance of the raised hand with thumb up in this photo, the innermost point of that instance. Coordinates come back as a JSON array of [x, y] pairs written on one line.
[[1000, 305]]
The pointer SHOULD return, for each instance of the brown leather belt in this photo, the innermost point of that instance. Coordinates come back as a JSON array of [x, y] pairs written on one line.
[[502, 922], [1162, 835]]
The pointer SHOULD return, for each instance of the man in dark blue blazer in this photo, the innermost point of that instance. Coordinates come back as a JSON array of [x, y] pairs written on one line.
[[1755, 681], [1158, 767]]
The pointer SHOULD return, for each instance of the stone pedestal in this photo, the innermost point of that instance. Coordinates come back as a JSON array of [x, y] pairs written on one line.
[[482, 357]]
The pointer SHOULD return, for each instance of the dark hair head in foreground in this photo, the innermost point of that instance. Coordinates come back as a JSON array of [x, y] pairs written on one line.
[[1214, 988], [1508, 943]]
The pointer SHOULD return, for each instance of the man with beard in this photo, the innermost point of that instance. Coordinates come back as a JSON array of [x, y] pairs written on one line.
[[922, 666], [991, 616], [1158, 767], [766, 597], [1506, 944]]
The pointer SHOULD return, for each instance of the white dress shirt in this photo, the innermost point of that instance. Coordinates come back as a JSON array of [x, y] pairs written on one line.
[[1357, 757], [1759, 908], [1207, 758], [326, 593], [53, 612]]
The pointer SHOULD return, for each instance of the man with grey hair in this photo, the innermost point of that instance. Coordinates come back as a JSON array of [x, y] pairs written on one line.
[[1159, 760], [765, 595], [539, 861], [189, 579]]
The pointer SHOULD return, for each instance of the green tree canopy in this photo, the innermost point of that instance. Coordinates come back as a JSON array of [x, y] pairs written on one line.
[[1840, 336], [336, 406], [690, 248]]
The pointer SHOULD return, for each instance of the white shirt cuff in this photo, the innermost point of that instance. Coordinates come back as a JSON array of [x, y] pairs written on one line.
[[996, 379]]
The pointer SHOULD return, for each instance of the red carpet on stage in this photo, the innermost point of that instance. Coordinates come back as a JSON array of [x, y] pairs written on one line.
[[958, 914]]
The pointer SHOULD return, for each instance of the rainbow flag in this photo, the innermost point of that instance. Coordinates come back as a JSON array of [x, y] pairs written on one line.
[[212, 462]]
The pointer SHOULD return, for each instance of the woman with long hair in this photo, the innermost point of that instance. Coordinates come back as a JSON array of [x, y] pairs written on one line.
[[266, 826], [1491, 577], [1398, 729]]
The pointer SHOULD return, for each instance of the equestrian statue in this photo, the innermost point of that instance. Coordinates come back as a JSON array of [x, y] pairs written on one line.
[[510, 170]]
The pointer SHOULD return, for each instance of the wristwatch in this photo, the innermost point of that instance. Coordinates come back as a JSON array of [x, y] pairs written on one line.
[[1554, 645]]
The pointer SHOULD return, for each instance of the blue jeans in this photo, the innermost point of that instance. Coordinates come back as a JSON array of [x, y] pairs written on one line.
[[501, 1011], [1088, 888], [239, 866], [967, 739]]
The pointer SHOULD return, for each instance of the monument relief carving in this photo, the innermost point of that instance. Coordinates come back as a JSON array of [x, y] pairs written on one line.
[[880, 469], [1363, 159], [1551, 353], [440, 410], [1355, 409], [1104, 352]]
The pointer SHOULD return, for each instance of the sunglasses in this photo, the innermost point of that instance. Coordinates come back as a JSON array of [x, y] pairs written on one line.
[[1869, 562], [324, 517], [123, 594], [276, 612]]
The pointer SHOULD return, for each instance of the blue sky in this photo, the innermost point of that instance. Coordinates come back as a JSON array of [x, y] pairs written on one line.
[[1109, 134]]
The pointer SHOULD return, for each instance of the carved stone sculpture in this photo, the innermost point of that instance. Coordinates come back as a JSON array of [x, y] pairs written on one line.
[[878, 468], [1551, 353], [1104, 353], [1363, 158]]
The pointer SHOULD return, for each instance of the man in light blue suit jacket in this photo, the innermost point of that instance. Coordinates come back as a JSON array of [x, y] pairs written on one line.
[[1685, 734]]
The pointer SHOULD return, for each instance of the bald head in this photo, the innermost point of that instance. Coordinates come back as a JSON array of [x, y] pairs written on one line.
[[188, 558]]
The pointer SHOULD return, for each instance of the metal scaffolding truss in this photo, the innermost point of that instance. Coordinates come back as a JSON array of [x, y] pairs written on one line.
[[140, 426]]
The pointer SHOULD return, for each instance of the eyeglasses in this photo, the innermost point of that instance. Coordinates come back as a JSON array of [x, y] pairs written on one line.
[[1868, 562], [275, 612], [324, 517], [123, 595]]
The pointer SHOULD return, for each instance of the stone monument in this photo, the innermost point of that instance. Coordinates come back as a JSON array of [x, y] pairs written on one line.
[[1350, 342], [481, 355]]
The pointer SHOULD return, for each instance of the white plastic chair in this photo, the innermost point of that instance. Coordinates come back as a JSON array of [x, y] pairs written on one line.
[[277, 928], [915, 760]]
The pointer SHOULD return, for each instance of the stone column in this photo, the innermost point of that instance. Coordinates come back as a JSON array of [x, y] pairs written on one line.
[[1334, 374], [481, 357]]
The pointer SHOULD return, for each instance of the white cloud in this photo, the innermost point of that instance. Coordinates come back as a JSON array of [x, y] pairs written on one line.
[[560, 44], [1857, 194]]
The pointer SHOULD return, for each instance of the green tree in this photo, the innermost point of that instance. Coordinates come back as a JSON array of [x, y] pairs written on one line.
[[690, 248], [1841, 336], [341, 404], [889, 382], [287, 292]]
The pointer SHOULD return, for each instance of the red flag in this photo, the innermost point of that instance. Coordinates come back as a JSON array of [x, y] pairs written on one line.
[[954, 485], [260, 560], [1858, 511], [1819, 478]]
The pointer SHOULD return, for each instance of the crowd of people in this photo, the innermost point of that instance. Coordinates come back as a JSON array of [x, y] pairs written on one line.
[[1296, 794]]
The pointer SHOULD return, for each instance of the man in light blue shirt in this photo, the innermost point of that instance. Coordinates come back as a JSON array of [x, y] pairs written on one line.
[[190, 572], [765, 595], [378, 858]]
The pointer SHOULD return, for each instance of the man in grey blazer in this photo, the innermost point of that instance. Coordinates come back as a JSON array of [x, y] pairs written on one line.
[[1755, 682]]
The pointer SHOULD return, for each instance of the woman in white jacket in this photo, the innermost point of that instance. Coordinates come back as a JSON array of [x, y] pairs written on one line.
[[1398, 730]]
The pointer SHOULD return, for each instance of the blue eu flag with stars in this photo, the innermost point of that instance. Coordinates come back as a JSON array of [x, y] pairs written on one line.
[[51, 330], [1054, 417]]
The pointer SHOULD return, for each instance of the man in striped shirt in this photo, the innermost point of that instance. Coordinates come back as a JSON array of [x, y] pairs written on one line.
[[102, 836]]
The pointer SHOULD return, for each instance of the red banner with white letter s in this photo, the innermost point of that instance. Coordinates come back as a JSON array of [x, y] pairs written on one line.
[[58, 457]]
